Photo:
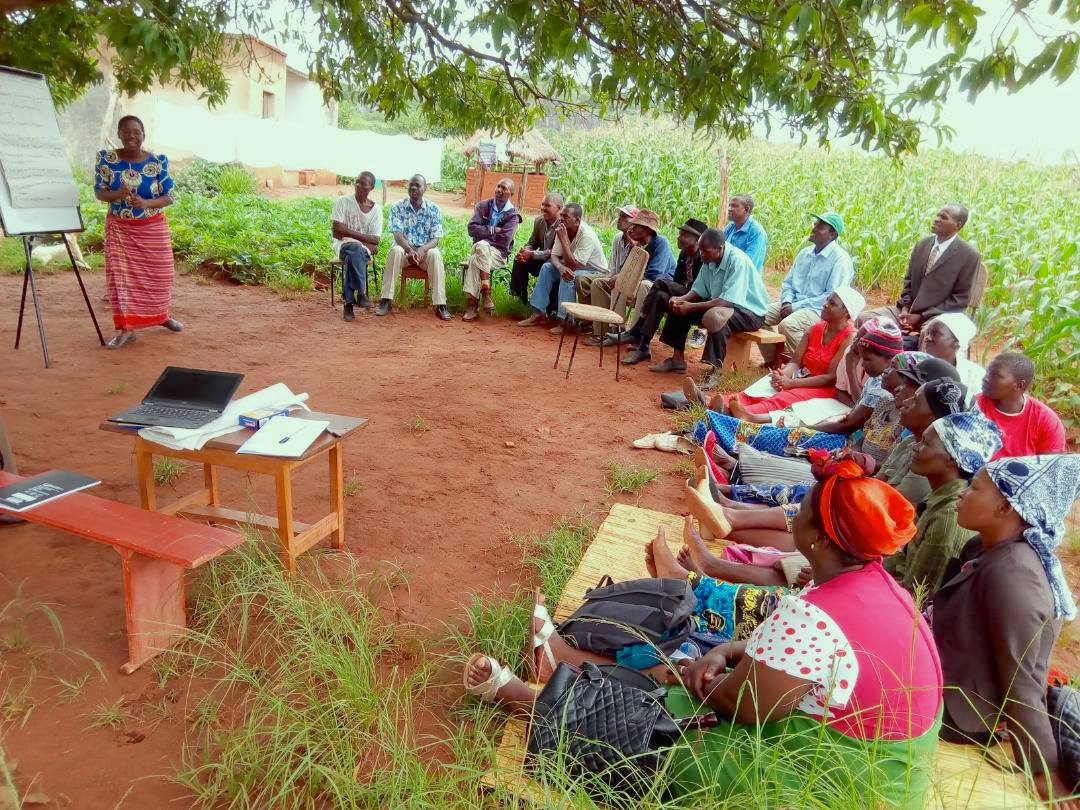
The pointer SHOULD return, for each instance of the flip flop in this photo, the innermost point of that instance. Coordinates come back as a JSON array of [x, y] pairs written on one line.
[[667, 442], [500, 676], [540, 639]]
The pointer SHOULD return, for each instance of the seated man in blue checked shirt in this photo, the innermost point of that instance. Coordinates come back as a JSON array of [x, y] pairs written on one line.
[[417, 228], [819, 269]]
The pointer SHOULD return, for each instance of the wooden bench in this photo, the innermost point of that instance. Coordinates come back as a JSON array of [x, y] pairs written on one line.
[[738, 347], [155, 550]]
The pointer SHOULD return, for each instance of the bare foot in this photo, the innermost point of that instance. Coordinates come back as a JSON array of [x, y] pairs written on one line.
[[694, 545], [650, 563], [737, 409], [684, 558], [663, 561], [693, 393]]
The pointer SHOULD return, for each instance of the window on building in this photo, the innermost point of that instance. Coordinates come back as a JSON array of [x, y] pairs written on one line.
[[268, 105]]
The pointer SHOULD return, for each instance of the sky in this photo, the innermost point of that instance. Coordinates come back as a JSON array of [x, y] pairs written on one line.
[[1040, 123]]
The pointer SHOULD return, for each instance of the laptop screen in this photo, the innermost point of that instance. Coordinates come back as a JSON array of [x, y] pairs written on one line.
[[210, 389]]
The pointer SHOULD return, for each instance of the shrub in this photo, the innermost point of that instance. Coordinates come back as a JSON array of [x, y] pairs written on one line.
[[235, 180]]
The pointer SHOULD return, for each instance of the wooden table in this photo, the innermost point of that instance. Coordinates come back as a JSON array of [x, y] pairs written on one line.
[[205, 504]]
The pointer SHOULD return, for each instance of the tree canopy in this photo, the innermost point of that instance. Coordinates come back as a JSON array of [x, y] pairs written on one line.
[[823, 68]]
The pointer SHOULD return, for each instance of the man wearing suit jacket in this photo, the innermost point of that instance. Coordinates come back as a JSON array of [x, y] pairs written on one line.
[[940, 274]]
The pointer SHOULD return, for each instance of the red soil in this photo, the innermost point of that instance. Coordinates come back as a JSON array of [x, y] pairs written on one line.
[[512, 445]]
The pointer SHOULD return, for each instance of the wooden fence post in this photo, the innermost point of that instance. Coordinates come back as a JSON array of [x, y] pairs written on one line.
[[725, 171]]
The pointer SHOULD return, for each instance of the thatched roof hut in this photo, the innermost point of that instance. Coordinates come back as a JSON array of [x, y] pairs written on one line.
[[532, 147]]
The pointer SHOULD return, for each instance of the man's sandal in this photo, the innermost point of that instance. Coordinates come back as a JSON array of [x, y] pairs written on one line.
[[500, 676]]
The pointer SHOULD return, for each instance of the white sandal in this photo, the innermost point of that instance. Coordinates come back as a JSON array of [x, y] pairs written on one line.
[[540, 639], [500, 676]]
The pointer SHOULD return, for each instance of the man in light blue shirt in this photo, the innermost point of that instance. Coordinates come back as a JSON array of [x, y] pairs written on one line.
[[728, 295], [819, 269], [745, 232]]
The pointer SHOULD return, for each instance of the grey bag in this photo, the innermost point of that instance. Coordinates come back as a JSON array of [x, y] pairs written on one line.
[[616, 615]]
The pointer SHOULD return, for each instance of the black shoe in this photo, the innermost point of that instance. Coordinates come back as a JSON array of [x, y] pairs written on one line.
[[365, 302], [383, 307], [442, 313], [348, 314]]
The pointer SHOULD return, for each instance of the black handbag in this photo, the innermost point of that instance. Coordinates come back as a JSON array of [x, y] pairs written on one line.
[[608, 721], [1063, 706]]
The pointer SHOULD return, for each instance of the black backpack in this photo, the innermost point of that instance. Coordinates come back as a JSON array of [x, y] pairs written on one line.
[[1063, 706], [616, 615]]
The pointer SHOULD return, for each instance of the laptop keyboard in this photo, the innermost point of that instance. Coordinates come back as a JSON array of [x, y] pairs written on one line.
[[168, 412]]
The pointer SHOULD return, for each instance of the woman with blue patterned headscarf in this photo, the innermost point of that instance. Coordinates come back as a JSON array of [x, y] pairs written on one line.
[[950, 452], [997, 617]]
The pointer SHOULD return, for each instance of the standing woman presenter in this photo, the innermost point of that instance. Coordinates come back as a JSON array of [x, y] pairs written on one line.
[[138, 250]]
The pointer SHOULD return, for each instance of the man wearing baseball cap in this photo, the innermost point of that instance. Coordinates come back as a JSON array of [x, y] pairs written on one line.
[[641, 231], [655, 305], [819, 269], [620, 249]]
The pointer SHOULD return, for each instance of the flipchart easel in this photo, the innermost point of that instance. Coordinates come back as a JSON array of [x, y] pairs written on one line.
[[38, 195]]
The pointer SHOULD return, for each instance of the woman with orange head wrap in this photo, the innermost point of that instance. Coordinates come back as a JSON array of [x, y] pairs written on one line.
[[842, 678]]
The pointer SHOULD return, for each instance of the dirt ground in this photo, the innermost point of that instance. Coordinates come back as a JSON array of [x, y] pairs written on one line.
[[511, 446]]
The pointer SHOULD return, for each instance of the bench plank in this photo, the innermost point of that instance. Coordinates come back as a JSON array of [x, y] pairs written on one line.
[[130, 528], [760, 336]]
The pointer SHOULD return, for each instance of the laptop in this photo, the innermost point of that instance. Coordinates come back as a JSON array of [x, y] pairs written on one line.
[[183, 398]]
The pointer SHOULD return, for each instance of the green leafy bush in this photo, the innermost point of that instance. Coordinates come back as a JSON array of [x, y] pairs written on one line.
[[235, 180]]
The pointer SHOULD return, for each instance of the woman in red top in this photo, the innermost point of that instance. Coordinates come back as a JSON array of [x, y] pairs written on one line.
[[811, 372]]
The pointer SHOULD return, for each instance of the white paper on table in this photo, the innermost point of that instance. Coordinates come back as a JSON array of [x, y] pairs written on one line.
[[762, 389], [276, 397], [284, 436]]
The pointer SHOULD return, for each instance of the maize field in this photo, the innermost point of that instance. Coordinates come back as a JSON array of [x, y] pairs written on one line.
[[1025, 220]]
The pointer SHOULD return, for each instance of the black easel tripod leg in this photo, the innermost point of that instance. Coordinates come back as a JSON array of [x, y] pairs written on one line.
[[86, 298], [22, 306], [29, 270]]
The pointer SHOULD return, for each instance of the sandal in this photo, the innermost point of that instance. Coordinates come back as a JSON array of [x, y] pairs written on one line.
[[540, 639], [500, 676], [667, 442], [123, 339]]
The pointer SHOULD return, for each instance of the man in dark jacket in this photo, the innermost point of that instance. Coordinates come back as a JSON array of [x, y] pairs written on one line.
[[492, 227], [940, 275], [535, 252]]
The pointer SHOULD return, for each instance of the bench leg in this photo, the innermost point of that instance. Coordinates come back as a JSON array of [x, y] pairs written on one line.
[[337, 495], [286, 528], [144, 466], [738, 354], [154, 606]]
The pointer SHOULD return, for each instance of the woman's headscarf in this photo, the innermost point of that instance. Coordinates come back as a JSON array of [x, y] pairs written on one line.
[[1042, 489], [961, 326], [970, 438], [920, 367], [865, 517], [945, 396], [884, 335], [852, 300]]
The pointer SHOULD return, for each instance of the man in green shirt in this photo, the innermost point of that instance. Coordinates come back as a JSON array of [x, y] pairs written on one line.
[[728, 295]]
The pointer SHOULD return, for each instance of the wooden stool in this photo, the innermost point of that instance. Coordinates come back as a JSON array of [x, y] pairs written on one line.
[[738, 347], [409, 272]]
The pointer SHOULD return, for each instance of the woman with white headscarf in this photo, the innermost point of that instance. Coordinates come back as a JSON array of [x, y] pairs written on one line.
[[948, 337], [998, 615]]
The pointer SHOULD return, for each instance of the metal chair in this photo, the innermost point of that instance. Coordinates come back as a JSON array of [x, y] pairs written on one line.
[[622, 298], [337, 266]]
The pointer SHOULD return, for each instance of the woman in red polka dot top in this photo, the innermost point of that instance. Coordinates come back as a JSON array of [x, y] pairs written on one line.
[[834, 699]]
